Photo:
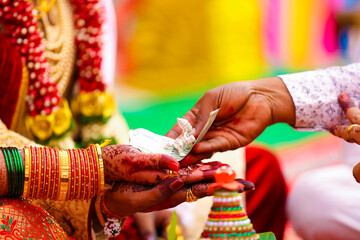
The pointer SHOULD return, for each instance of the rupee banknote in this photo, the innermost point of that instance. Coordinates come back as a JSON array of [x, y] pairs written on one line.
[[150, 142]]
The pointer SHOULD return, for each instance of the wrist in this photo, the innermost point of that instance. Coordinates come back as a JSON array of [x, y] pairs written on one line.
[[278, 98]]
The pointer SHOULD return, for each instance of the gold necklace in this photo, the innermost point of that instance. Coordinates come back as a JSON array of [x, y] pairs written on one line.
[[44, 7], [60, 53]]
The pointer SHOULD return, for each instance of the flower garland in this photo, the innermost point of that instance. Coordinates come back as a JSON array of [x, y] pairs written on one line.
[[20, 25], [89, 20], [49, 114], [93, 103]]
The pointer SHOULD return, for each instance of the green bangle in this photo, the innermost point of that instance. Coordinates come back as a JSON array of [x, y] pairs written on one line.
[[19, 171], [8, 169], [16, 171], [11, 161], [22, 171], [10, 176]]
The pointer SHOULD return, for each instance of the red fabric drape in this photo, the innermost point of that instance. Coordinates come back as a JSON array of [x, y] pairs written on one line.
[[266, 204], [10, 80]]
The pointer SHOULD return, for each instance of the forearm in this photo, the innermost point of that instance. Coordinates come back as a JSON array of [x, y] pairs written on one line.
[[315, 95]]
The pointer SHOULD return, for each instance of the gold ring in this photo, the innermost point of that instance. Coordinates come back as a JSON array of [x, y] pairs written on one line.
[[190, 197], [349, 129]]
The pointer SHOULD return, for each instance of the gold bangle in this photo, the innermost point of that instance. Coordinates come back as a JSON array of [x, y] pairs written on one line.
[[64, 174], [27, 172], [101, 168], [87, 193]]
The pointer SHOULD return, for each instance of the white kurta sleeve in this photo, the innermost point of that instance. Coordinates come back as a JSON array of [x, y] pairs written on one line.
[[315, 95]]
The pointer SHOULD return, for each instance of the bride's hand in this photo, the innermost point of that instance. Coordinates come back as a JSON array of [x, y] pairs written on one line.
[[128, 198], [127, 163]]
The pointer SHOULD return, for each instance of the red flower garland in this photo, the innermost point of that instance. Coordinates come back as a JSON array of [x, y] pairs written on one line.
[[20, 25], [89, 19]]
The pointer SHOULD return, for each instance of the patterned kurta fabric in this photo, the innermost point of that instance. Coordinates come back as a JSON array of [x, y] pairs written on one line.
[[315, 95]]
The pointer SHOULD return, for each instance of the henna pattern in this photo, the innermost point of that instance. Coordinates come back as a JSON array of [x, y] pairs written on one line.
[[122, 187], [122, 161], [200, 190]]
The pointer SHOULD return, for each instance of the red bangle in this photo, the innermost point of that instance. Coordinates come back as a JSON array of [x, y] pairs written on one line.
[[83, 176], [43, 174], [76, 176], [38, 172], [91, 170], [57, 175], [79, 182], [53, 174], [72, 176], [48, 173], [41, 181], [88, 169], [33, 169], [87, 174]]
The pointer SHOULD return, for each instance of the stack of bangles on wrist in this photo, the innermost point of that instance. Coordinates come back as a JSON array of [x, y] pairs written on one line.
[[55, 174], [72, 174]]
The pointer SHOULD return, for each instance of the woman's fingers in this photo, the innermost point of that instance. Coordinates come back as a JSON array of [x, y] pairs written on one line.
[[155, 161], [130, 157], [125, 199], [191, 174], [350, 133], [198, 190], [200, 172]]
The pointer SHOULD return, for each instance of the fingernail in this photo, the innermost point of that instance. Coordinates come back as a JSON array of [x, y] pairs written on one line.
[[343, 96], [208, 174], [177, 184], [345, 102], [175, 166], [186, 161], [247, 185], [170, 163]]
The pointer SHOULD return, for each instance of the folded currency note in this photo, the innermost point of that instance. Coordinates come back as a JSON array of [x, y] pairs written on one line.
[[150, 142]]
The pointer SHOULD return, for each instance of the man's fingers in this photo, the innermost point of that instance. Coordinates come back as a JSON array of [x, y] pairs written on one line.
[[176, 130], [348, 106]]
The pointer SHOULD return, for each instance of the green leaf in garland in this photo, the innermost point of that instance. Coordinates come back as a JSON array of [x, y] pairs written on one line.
[[267, 236], [172, 227]]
